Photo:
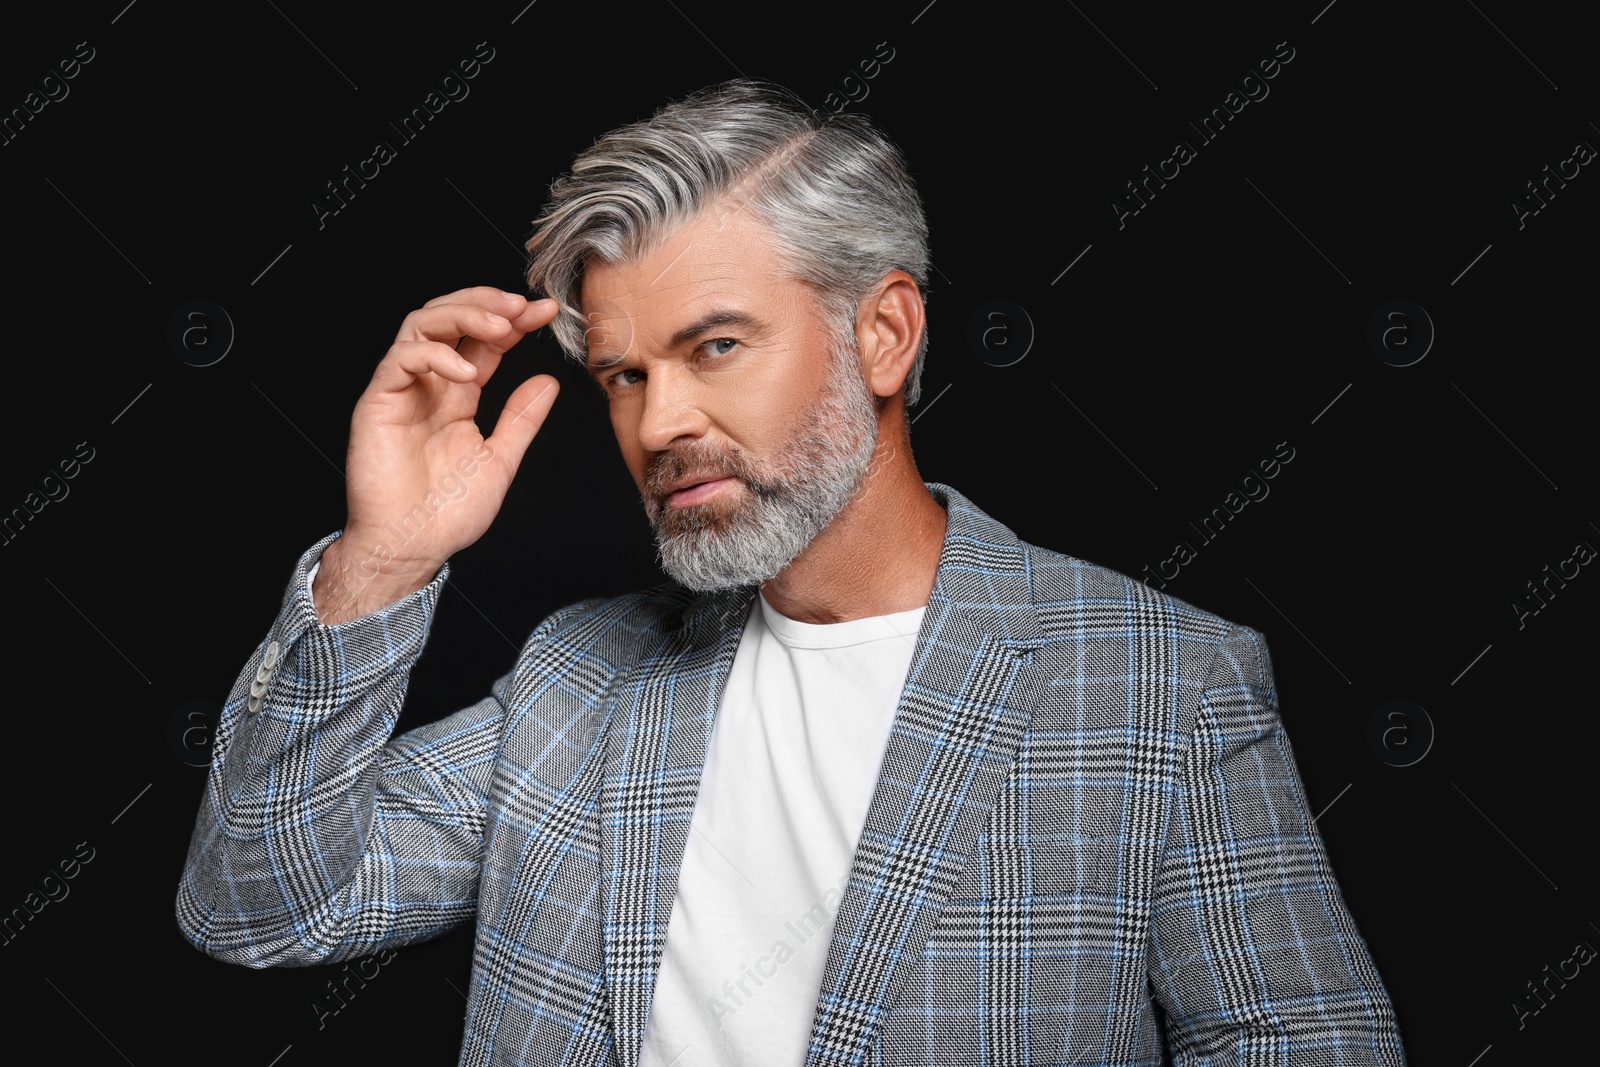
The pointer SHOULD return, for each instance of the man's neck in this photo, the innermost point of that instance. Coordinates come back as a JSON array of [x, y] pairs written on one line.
[[878, 556]]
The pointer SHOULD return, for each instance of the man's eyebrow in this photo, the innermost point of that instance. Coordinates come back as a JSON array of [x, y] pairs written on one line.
[[706, 323], [596, 366], [711, 321]]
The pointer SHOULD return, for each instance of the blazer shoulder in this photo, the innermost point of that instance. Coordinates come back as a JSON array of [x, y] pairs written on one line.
[[1111, 635], [1074, 599], [1034, 596]]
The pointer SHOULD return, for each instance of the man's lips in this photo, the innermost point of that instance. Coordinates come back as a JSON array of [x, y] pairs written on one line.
[[697, 491]]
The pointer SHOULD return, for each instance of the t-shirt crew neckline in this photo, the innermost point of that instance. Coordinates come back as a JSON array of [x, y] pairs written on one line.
[[902, 625]]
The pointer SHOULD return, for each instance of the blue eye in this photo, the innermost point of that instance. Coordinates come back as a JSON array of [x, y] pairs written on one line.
[[712, 346]]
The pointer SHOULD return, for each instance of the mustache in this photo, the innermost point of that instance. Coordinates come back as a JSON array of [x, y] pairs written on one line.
[[702, 460]]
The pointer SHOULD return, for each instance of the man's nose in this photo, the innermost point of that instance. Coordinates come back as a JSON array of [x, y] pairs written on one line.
[[671, 409]]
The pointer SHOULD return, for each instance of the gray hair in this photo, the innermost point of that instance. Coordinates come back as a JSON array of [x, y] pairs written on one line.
[[833, 189]]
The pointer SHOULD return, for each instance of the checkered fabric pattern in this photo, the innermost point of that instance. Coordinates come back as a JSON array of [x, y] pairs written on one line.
[[1088, 843]]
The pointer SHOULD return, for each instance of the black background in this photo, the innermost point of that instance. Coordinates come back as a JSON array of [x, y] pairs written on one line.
[[1178, 350]]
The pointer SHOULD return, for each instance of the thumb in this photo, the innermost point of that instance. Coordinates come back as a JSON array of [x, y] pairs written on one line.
[[521, 418]]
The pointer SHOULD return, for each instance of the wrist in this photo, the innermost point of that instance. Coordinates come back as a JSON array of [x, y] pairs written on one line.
[[359, 576]]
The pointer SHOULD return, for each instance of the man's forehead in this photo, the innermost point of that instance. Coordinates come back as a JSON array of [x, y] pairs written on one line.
[[720, 268]]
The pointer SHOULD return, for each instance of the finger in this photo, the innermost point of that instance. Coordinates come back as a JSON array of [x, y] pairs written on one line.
[[407, 361], [524, 413], [446, 322], [484, 296], [497, 301], [485, 355], [537, 313]]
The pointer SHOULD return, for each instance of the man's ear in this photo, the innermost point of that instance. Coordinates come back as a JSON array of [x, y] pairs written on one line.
[[889, 325]]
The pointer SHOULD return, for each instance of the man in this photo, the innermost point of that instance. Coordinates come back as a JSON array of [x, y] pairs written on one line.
[[871, 781]]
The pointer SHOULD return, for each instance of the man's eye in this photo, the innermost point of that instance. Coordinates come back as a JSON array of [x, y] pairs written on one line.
[[617, 378], [715, 348]]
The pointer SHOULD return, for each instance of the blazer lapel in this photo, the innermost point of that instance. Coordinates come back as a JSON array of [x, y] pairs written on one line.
[[656, 745], [966, 704], [957, 728]]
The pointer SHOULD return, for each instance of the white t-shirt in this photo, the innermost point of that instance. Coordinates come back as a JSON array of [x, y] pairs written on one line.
[[792, 765]]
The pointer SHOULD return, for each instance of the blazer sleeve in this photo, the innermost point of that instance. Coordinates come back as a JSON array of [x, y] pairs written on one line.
[[1254, 956], [320, 838]]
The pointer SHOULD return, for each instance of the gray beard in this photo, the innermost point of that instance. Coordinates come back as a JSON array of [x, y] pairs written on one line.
[[781, 508]]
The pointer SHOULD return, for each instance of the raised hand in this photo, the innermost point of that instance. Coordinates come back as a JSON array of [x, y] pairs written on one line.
[[422, 481]]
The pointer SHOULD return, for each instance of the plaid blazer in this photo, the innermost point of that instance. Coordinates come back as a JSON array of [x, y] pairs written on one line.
[[1088, 844]]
